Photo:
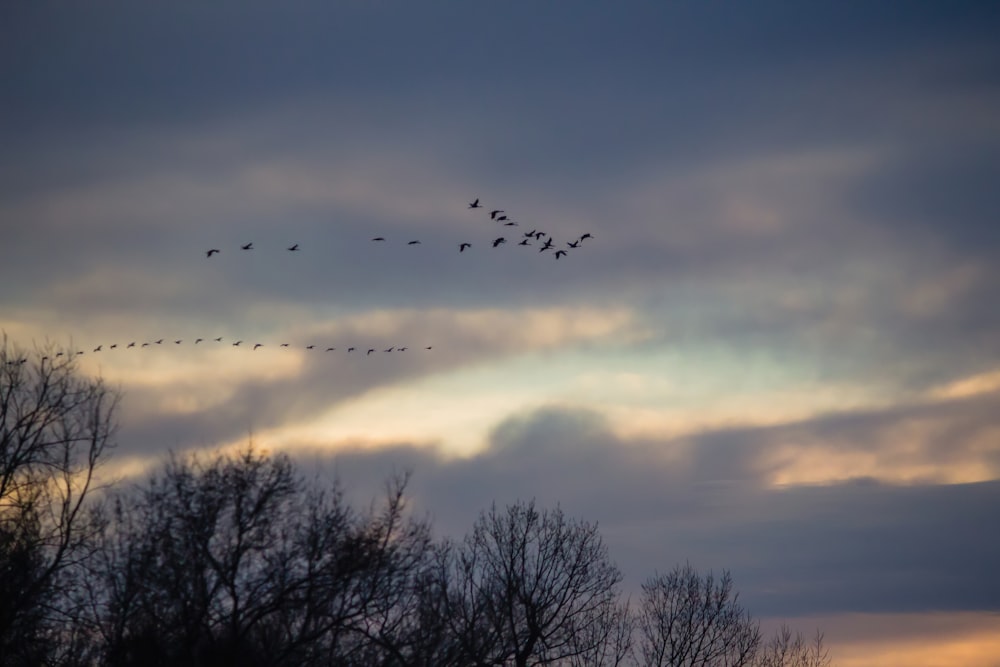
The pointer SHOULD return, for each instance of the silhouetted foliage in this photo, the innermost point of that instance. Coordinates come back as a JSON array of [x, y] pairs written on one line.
[[786, 649], [689, 620], [56, 428]]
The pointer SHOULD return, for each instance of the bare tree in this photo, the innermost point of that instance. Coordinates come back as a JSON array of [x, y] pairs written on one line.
[[785, 649], [56, 428], [532, 587], [689, 620]]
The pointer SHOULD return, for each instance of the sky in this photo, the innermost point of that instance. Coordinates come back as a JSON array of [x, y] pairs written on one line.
[[778, 353]]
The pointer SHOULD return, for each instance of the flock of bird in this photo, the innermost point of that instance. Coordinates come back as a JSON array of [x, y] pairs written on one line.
[[363, 351], [537, 238]]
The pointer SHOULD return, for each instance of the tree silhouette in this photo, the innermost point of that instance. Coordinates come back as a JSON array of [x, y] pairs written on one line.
[[689, 620], [56, 428]]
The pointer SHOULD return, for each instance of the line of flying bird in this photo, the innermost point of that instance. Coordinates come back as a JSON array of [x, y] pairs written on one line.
[[237, 343], [497, 215]]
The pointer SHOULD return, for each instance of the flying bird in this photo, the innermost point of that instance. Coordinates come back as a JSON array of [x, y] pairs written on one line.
[[178, 342], [497, 242], [237, 343], [475, 204], [198, 340], [495, 212], [159, 342], [370, 350], [402, 349], [510, 224], [330, 349], [97, 349], [219, 339], [294, 248], [586, 236], [258, 345], [560, 253], [573, 244], [350, 349], [379, 238], [524, 242], [59, 354], [113, 346], [284, 345], [548, 242], [413, 243], [309, 347], [212, 251], [539, 235], [463, 246], [530, 234], [248, 246], [145, 345], [132, 344], [428, 347], [390, 349]]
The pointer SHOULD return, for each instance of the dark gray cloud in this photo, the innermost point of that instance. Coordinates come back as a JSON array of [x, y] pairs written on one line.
[[856, 545]]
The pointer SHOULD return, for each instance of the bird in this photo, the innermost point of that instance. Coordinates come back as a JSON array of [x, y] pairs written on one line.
[[390, 349], [548, 242], [544, 248], [560, 253], [500, 218], [413, 243], [212, 251], [258, 345], [370, 350], [132, 344], [539, 235], [45, 358], [113, 346], [510, 223], [463, 246], [350, 349], [379, 238], [475, 204], [402, 349], [294, 248], [248, 246], [79, 353], [309, 347], [178, 341], [530, 234], [145, 345], [98, 348], [59, 354], [428, 347], [495, 212], [588, 235], [573, 244], [524, 242], [159, 342], [237, 343], [330, 349], [284, 345], [497, 242], [198, 340], [219, 339]]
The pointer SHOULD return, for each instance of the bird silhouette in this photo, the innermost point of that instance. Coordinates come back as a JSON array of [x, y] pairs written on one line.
[[284, 345], [402, 349], [79, 353], [371, 349], [475, 204], [539, 235], [560, 253], [497, 242], [390, 349], [524, 242], [144, 345], [237, 343], [586, 236], [495, 212], [511, 223], [212, 251], [309, 347], [548, 242], [159, 342], [198, 340], [413, 243], [132, 344], [573, 244], [97, 349], [59, 354], [248, 246], [428, 347], [463, 246], [350, 349], [330, 349], [379, 238], [113, 346], [294, 248], [178, 342], [219, 339], [258, 345], [530, 234]]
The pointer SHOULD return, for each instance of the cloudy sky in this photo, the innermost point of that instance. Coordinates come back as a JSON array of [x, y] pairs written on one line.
[[779, 353]]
